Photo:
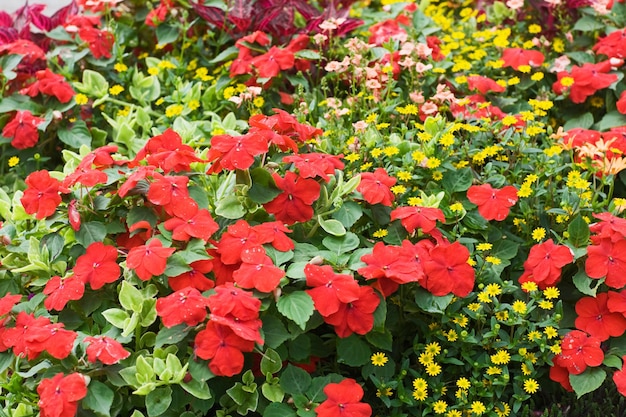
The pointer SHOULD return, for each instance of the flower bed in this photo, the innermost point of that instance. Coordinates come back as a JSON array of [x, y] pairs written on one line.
[[311, 208]]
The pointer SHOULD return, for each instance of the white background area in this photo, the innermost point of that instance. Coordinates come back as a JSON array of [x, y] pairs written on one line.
[[51, 5]]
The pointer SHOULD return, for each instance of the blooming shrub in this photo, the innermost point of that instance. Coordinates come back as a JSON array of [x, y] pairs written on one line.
[[233, 208]]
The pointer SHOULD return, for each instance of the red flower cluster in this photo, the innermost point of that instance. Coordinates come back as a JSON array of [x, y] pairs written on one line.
[[343, 400], [98, 266], [184, 306], [341, 301], [314, 165], [295, 203], [416, 217], [32, 336], [22, 129], [587, 80], [105, 349], [168, 152], [516, 57], [483, 85], [600, 149], [613, 45], [578, 350], [375, 187], [544, 263], [597, 318], [233, 328], [59, 395], [606, 257], [493, 203], [50, 84], [149, 260], [42, 195]]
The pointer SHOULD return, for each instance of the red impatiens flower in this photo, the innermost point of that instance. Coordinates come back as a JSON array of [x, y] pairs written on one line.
[[619, 378], [294, 204], [199, 225], [171, 192], [330, 290], [579, 350], [356, 316], [167, 152], [51, 337], [607, 259], [7, 303], [158, 14], [196, 278], [236, 239], [560, 374], [41, 197], [59, 395], [235, 152], [100, 41], [587, 80], [185, 306], [447, 271], [13, 337], [149, 260], [516, 57], [595, 318], [493, 203], [274, 233], [223, 348], [23, 129], [233, 301], [609, 227], [105, 349], [375, 187], [343, 400], [98, 266], [273, 61], [313, 165], [544, 263], [50, 84], [621, 103], [390, 267], [484, 85], [257, 271], [412, 218], [613, 45], [60, 291]]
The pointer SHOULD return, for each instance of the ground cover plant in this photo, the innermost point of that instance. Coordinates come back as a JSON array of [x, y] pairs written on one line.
[[312, 208]]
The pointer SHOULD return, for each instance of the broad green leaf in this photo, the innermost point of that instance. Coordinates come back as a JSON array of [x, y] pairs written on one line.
[[341, 244], [611, 119], [116, 317], [271, 362], [197, 388], [230, 207], [588, 24], [278, 410], [176, 265], [296, 306], [348, 213], [130, 297], [94, 84], [458, 180], [584, 121], [158, 401], [272, 392], [430, 303], [263, 188], [588, 381], [332, 226], [585, 284], [381, 340], [172, 335], [353, 351], [247, 401], [578, 231], [274, 331], [137, 214], [99, 398], [166, 34], [91, 232], [295, 380], [76, 135]]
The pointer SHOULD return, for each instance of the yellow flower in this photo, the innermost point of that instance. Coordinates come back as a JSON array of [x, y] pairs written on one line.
[[376, 152], [384, 392], [408, 109], [116, 89], [484, 246], [433, 163], [493, 289], [174, 110], [420, 384], [494, 370], [391, 150], [414, 201], [379, 359], [153, 71], [258, 102], [556, 349], [478, 408], [456, 207], [531, 386], [380, 233], [193, 104], [567, 81], [13, 161], [433, 348], [463, 383], [437, 175], [503, 410], [461, 320], [433, 369], [473, 306], [353, 157], [529, 286], [509, 120], [452, 336], [502, 315], [120, 67], [519, 307], [534, 28], [526, 370], [81, 99], [398, 189], [524, 68], [501, 357], [538, 234], [550, 332], [545, 304], [404, 176], [538, 76], [551, 293], [440, 407], [420, 395], [534, 335], [524, 191], [425, 358], [454, 413], [483, 297], [493, 260], [447, 139]]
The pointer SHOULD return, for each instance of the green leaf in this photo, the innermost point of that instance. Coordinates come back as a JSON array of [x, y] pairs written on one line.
[[54, 242], [316, 391], [197, 388], [158, 401], [457, 181], [611, 119], [226, 55], [176, 265], [116, 317], [167, 34], [430, 303], [612, 361], [130, 297], [91, 232], [348, 213], [247, 401], [278, 410], [381, 340], [99, 398], [353, 351], [263, 188], [230, 207], [295, 380], [274, 331], [578, 231], [584, 121], [308, 54], [332, 226], [588, 381], [584, 283], [94, 84], [137, 214], [588, 24], [296, 306], [76, 135], [341, 244], [271, 362]]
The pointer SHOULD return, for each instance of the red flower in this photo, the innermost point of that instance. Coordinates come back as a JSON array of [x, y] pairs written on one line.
[[50, 84], [544, 263], [233, 301], [100, 41], [579, 350], [613, 45], [609, 226], [560, 374], [595, 318], [343, 400], [172, 194], [60, 291], [621, 103], [223, 348], [105, 349], [607, 259], [23, 129], [195, 278], [7, 302], [257, 271], [273, 61], [159, 14], [14, 337], [294, 204], [275, 234], [619, 377], [447, 271], [313, 165], [412, 218], [51, 337], [59, 395], [167, 152], [185, 306], [356, 316], [375, 187], [235, 152], [98, 266], [199, 225], [331, 290], [390, 266], [42, 195], [382, 32], [493, 203], [484, 85], [149, 260], [617, 302], [516, 57], [235, 240], [587, 80]]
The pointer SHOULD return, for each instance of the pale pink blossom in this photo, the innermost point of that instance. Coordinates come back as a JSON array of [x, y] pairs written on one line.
[[320, 38], [360, 126], [406, 62], [407, 48], [373, 84], [423, 51], [421, 68], [416, 97], [560, 64], [515, 4], [429, 108], [444, 94]]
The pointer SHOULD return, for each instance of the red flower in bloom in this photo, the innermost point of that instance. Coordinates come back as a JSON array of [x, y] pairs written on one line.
[[313, 165], [412, 218], [149, 260], [200, 225], [23, 130], [447, 271], [14, 337], [356, 316], [516, 57], [7, 303], [31, 52], [42, 195], [388, 263], [617, 302], [609, 226], [621, 103], [185, 306], [235, 152], [375, 187], [233, 301], [105, 349], [223, 348], [484, 85], [51, 337], [172, 194], [134, 178], [236, 239], [50, 84], [294, 204], [100, 41], [613, 45], [343, 400], [60, 291], [544, 263], [158, 14], [167, 152], [493, 203], [560, 374], [98, 266], [331, 290], [595, 318], [607, 259], [195, 278], [258, 271], [619, 377], [273, 61], [59, 396], [275, 234], [579, 350], [587, 80], [382, 32]]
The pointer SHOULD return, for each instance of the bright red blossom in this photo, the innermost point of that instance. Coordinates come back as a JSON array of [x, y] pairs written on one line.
[[149, 260], [356, 316], [544, 263], [23, 129], [587, 80], [235, 152], [257, 271], [607, 259], [579, 350], [61, 291], [199, 225], [493, 203], [223, 348], [98, 266], [619, 377], [516, 57], [184, 306], [7, 303], [595, 318], [167, 152], [313, 165], [390, 267], [294, 204], [412, 218], [375, 187], [105, 349], [41, 196], [50, 84], [100, 41], [59, 396], [196, 278], [447, 271], [343, 400], [331, 290]]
